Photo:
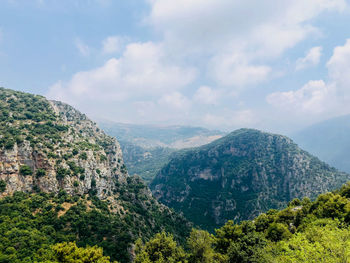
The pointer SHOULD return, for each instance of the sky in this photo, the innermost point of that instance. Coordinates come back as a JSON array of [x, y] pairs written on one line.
[[221, 64]]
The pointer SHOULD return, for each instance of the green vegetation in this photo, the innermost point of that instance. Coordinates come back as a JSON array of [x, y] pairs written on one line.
[[25, 170], [41, 227], [240, 176], [303, 232], [162, 248], [144, 162], [31, 223], [28, 117], [69, 252], [147, 148], [40, 172], [2, 186], [83, 156]]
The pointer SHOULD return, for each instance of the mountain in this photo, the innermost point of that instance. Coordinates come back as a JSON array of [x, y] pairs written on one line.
[[72, 175], [145, 162], [241, 175], [329, 140], [146, 148]]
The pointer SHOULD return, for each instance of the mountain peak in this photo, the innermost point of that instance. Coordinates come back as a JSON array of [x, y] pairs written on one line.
[[241, 175]]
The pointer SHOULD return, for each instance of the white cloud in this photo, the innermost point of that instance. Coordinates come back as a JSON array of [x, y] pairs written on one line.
[[235, 70], [207, 95], [142, 70], [240, 37], [312, 98], [312, 58], [83, 49], [339, 68], [230, 119], [112, 44], [320, 98], [212, 24], [175, 100]]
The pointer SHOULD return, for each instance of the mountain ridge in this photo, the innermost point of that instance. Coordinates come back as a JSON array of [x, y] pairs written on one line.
[[55, 154], [239, 176]]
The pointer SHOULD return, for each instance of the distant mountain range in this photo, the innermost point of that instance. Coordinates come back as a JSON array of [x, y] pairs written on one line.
[[329, 140], [146, 148], [240, 176], [152, 136]]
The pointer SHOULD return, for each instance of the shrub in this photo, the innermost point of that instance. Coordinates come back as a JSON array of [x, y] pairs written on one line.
[[93, 183], [61, 173], [2, 186], [40, 172], [25, 170], [83, 156], [9, 144]]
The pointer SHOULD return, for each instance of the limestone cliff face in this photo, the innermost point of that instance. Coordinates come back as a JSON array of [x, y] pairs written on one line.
[[241, 175], [59, 149]]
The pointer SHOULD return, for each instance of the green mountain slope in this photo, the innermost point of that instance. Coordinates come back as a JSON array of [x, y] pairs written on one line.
[[145, 162], [241, 175], [328, 140], [50, 148]]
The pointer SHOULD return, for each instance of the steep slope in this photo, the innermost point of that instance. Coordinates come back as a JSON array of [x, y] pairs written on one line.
[[145, 162], [241, 175], [328, 140], [49, 147], [146, 148]]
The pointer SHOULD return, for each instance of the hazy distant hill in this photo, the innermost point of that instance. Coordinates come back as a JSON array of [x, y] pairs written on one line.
[[328, 140], [146, 148], [241, 175], [151, 136]]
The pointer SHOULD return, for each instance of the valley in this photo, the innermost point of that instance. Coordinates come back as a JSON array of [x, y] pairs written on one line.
[[65, 191]]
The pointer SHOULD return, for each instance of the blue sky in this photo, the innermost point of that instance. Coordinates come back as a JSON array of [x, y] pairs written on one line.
[[221, 64]]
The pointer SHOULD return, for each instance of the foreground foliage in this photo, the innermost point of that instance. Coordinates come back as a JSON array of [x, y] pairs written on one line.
[[39, 227], [30, 224], [303, 232]]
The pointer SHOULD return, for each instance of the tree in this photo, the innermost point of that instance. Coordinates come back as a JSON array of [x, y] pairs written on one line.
[[160, 249], [70, 253], [201, 248], [317, 244], [277, 232]]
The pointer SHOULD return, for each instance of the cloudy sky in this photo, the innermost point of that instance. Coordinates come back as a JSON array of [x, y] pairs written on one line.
[[222, 64]]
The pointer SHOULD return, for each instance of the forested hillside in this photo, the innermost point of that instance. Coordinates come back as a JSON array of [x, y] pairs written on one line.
[[63, 179], [240, 176], [303, 232]]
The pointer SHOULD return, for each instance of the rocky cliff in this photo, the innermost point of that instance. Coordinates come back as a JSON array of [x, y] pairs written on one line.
[[50, 147], [241, 175]]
